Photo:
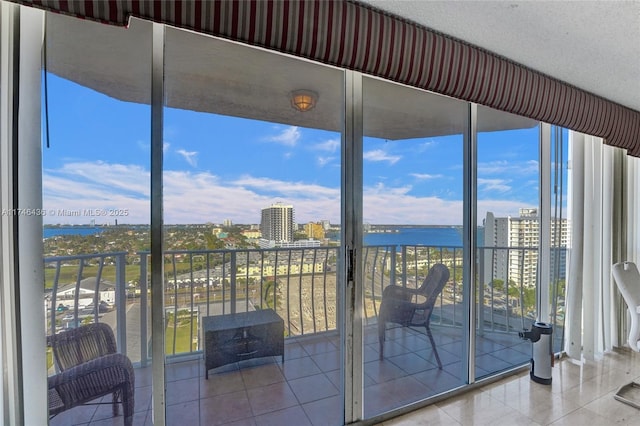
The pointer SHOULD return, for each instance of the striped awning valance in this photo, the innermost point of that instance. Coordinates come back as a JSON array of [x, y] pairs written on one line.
[[351, 35]]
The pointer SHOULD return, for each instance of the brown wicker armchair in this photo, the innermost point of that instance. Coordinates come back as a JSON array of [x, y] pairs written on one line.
[[412, 307], [90, 368]]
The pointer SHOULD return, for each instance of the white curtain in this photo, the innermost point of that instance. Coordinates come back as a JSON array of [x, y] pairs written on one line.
[[603, 217], [632, 211]]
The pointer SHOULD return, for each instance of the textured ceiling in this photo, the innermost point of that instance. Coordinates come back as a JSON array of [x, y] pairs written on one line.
[[594, 45]]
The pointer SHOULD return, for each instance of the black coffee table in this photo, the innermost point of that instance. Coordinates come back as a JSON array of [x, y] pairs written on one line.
[[236, 337]]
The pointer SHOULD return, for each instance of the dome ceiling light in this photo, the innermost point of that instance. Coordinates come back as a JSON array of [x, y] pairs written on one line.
[[303, 100]]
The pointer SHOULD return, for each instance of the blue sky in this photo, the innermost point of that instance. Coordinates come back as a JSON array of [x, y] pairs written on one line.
[[218, 167]]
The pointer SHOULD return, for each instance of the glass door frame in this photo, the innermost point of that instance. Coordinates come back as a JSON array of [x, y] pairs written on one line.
[[351, 243], [158, 386], [469, 240]]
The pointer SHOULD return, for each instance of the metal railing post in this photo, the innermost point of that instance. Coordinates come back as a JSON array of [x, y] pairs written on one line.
[[392, 269], [404, 266], [121, 304], [481, 284], [232, 282], [54, 293], [144, 350]]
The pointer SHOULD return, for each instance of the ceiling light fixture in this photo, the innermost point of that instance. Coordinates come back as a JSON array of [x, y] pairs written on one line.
[[303, 100]]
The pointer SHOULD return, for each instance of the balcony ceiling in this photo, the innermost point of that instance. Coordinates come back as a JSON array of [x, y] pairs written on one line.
[[590, 45]]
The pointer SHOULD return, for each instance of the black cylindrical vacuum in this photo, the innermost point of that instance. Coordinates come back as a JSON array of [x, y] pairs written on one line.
[[542, 359]]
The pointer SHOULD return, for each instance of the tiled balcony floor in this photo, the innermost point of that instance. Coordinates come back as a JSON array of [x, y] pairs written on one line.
[[305, 389]]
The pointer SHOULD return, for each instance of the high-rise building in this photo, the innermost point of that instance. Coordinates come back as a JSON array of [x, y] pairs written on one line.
[[277, 223], [314, 230], [511, 247], [495, 235]]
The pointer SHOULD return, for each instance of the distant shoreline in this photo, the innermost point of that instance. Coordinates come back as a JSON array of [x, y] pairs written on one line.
[[139, 225]]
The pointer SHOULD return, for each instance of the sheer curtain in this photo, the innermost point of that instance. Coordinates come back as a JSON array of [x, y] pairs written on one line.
[[603, 215]]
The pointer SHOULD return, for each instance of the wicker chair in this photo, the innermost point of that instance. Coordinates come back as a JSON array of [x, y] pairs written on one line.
[[90, 368], [412, 307]]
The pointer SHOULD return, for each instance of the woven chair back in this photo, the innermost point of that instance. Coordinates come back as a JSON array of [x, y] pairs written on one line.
[[434, 283], [82, 344]]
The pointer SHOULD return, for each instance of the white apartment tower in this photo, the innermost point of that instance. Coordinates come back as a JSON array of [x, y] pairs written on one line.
[[277, 223], [496, 265], [511, 247]]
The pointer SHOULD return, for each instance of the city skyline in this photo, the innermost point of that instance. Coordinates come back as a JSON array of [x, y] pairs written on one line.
[[218, 167]]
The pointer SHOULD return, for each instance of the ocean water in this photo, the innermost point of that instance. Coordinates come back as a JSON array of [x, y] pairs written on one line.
[[417, 236], [71, 230], [445, 236]]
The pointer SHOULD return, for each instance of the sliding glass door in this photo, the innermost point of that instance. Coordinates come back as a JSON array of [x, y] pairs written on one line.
[[508, 238], [413, 317], [96, 197], [252, 235]]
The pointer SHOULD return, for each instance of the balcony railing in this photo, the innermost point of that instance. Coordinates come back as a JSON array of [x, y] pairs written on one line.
[[300, 284], [94, 288]]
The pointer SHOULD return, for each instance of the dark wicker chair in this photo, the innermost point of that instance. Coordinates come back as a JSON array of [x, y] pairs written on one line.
[[90, 368], [412, 307]]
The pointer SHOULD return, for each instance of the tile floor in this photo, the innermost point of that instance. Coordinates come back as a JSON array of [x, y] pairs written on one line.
[[580, 394], [305, 389]]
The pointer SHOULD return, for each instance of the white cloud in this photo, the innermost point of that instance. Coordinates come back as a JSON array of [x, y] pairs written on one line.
[[424, 176], [426, 145], [199, 197], [190, 157], [395, 206], [330, 145], [286, 189], [188, 197], [532, 166], [83, 186], [493, 167], [511, 167], [288, 137], [500, 185], [380, 155], [381, 188], [127, 178], [323, 161]]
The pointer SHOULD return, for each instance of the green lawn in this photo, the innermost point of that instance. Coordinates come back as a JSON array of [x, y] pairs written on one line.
[[49, 358], [183, 339], [69, 274]]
